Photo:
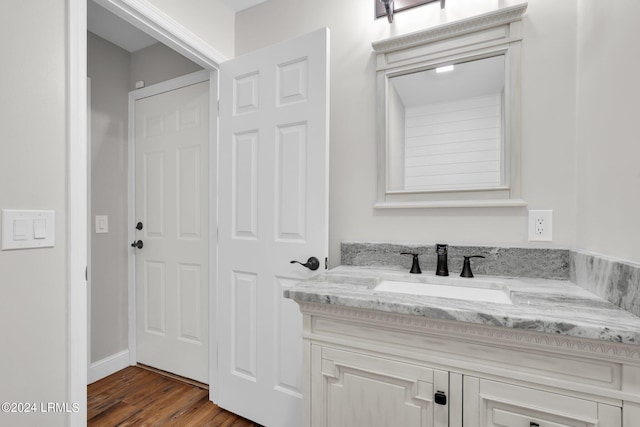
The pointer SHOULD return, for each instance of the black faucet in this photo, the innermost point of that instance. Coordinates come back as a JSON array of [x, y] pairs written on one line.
[[415, 267], [442, 269], [466, 266]]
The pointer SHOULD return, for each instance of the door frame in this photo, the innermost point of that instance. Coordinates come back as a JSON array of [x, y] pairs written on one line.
[[135, 95], [154, 22]]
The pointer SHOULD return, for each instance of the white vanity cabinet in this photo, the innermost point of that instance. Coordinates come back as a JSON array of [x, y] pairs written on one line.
[[364, 367]]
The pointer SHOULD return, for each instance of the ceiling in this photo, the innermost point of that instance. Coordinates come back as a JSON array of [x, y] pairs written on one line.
[[239, 5], [468, 79], [110, 27]]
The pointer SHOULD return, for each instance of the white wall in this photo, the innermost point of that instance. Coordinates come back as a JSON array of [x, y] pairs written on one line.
[[608, 178], [211, 20], [548, 110], [33, 175]]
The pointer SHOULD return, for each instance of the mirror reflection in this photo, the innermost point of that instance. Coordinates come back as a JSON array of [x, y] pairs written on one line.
[[446, 127]]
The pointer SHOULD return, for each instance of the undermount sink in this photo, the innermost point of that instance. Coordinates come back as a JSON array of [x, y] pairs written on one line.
[[480, 291]]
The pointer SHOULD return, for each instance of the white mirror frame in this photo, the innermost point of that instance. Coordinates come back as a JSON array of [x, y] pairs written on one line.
[[490, 34]]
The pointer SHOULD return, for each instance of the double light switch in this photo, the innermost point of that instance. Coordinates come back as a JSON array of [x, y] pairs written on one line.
[[27, 229]]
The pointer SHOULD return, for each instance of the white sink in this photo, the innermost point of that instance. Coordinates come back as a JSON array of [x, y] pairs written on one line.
[[453, 291]]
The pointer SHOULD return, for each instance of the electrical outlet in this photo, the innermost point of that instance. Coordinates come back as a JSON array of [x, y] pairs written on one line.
[[540, 226]]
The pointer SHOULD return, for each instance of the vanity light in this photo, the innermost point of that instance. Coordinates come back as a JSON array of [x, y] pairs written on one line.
[[388, 7], [444, 69]]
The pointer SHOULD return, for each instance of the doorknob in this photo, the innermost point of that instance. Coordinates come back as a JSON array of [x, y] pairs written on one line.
[[312, 263], [137, 244]]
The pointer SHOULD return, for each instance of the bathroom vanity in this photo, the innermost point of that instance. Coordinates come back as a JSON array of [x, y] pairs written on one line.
[[381, 347]]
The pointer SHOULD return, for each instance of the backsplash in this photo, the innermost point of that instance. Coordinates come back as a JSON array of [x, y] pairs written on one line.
[[499, 261], [616, 281], [613, 280]]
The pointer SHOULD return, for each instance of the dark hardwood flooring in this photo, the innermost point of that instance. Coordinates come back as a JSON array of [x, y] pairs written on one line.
[[139, 397]]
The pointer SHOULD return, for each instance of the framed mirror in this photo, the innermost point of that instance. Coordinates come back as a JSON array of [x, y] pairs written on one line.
[[448, 121]]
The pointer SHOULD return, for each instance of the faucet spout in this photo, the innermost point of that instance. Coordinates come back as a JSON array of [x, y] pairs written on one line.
[[443, 268], [415, 267]]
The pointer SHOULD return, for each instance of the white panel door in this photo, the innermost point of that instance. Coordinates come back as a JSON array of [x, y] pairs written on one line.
[[273, 209], [171, 202]]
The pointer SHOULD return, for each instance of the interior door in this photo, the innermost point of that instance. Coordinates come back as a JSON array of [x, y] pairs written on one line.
[[272, 209], [171, 206]]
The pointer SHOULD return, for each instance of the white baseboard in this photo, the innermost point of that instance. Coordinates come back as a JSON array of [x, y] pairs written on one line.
[[107, 366]]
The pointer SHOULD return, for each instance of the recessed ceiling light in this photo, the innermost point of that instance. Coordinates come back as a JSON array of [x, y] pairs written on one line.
[[444, 69]]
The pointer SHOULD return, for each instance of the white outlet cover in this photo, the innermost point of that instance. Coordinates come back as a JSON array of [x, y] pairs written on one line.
[[540, 225]]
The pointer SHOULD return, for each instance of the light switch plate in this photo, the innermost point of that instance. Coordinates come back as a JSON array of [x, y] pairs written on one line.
[[102, 224], [24, 229]]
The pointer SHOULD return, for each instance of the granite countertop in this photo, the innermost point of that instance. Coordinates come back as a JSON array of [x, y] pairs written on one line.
[[542, 305]]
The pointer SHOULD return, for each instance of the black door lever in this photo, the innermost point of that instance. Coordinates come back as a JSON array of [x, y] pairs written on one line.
[[137, 244], [312, 263]]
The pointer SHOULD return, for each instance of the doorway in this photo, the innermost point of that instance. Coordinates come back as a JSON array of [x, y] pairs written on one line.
[[185, 47]]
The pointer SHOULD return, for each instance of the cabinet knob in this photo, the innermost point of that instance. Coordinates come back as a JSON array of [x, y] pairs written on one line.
[[532, 424], [440, 398]]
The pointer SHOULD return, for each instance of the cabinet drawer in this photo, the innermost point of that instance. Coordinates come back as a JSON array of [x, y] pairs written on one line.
[[533, 366], [495, 404]]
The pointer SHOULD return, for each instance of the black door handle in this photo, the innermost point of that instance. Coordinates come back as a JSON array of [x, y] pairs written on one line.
[[137, 244], [312, 263]]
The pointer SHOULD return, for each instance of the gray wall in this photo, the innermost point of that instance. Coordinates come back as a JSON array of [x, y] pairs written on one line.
[[157, 63], [33, 175], [113, 72], [108, 67], [585, 170]]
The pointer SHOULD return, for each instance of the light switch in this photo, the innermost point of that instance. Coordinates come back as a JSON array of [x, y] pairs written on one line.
[[39, 228], [102, 224], [20, 229], [28, 229]]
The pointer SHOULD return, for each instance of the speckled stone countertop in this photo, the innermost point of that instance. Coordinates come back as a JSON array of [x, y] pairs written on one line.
[[542, 305]]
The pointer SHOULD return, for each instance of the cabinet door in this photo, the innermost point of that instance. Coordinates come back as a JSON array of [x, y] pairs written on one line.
[[494, 404], [354, 390]]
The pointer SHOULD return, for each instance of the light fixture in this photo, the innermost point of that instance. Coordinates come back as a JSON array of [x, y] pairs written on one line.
[[444, 69], [388, 7]]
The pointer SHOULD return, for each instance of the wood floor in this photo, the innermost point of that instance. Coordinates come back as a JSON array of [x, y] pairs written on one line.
[[138, 397]]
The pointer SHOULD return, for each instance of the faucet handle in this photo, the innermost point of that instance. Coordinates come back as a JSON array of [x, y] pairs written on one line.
[[415, 267], [466, 266]]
